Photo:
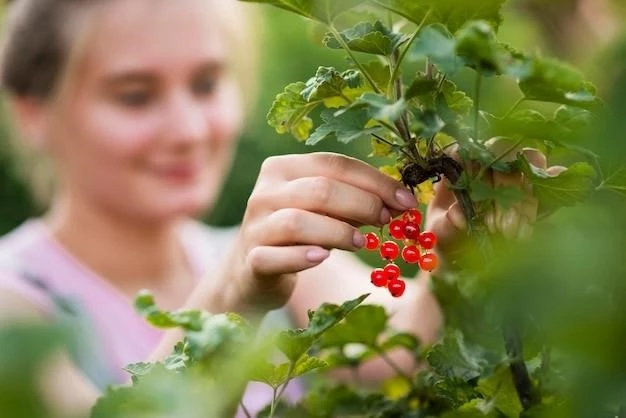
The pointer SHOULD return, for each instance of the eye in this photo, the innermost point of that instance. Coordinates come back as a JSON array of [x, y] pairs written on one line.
[[205, 86], [138, 98]]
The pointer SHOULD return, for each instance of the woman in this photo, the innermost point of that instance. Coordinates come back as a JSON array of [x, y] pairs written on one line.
[[137, 105]]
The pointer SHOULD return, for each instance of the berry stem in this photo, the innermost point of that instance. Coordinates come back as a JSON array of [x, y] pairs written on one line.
[[393, 365]]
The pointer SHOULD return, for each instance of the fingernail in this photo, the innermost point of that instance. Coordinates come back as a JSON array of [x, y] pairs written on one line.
[[406, 199], [510, 224], [316, 255], [358, 239], [385, 216]]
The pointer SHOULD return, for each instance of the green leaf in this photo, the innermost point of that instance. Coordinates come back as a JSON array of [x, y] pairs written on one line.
[[550, 80], [616, 181], [379, 72], [217, 332], [294, 343], [477, 151], [138, 370], [345, 126], [453, 358], [368, 38], [145, 306], [452, 13], [289, 111], [566, 189], [456, 99], [420, 86], [307, 364], [500, 391], [363, 325], [380, 107], [506, 196], [271, 374], [401, 339], [476, 43], [321, 10], [436, 43], [476, 408], [328, 315], [329, 83]]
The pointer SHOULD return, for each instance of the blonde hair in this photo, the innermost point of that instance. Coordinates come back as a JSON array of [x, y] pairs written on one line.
[[40, 55]]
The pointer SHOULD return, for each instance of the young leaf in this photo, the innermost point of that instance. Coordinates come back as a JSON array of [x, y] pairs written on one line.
[[294, 343], [363, 325], [436, 43], [566, 189], [308, 364], [368, 38], [420, 86], [328, 315], [499, 390], [452, 357], [273, 375], [345, 126], [145, 306], [400, 339], [476, 43], [289, 111], [329, 83], [452, 13], [321, 10], [554, 81]]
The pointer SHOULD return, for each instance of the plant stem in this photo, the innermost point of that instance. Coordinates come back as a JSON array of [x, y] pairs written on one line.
[[398, 63], [478, 85], [498, 158], [245, 410], [514, 350], [515, 106], [273, 404], [383, 140], [345, 46]]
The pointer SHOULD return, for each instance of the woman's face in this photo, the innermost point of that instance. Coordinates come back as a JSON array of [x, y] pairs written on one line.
[[149, 125]]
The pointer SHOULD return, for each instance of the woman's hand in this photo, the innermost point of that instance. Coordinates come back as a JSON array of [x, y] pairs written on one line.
[[446, 219], [301, 207]]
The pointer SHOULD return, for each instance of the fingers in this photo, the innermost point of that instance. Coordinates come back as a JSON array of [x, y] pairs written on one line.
[[325, 196], [341, 168], [274, 261], [288, 227]]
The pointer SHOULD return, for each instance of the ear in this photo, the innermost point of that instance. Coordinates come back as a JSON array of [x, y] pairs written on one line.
[[30, 116]]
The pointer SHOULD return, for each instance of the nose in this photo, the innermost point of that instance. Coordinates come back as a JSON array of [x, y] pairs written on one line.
[[186, 121]]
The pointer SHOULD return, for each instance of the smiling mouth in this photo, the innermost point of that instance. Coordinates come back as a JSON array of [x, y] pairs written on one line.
[[179, 173]]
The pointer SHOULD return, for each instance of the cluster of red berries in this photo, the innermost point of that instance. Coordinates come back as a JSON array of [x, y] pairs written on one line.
[[416, 244]]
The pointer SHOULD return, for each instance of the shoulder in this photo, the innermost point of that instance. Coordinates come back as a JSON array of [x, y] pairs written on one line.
[[17, 288]]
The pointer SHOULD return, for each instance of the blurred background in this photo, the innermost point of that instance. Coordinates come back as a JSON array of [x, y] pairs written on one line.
[[582, 32], [573, 272]]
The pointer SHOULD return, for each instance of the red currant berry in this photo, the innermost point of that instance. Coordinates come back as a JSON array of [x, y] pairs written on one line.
[[429, 261], [392, 271], [396, 288], [427, 240], [411, 254], [379, 278], [371, 241], [389, 250], [396, 229], [411, 230], [412, 215]]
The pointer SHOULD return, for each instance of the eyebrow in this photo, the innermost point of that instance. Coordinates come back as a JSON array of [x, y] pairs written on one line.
[[147, 76]]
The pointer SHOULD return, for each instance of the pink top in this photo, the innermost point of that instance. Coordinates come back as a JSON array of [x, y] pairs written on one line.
[[122, 336]]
